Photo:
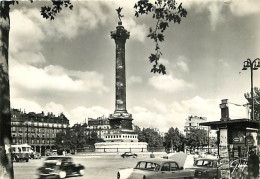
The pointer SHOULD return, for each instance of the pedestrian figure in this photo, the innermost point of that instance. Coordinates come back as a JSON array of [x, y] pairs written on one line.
[[253, 165], [152, 155]]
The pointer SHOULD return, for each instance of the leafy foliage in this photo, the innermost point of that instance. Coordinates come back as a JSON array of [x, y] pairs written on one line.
[[174, 139], [164, 12], [197, 138], [5, 120], [51, 11], [256, 96], [151, 136], [75, 138]]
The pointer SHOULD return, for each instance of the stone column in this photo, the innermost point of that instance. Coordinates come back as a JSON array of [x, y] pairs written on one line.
[[120, 35]]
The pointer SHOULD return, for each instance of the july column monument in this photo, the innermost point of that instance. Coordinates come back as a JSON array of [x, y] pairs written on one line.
[[121, 136]]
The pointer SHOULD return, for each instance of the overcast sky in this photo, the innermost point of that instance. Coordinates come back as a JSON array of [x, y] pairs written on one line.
[[68, 65]]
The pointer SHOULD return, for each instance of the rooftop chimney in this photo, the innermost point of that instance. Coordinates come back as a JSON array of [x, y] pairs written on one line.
[[224, 110]]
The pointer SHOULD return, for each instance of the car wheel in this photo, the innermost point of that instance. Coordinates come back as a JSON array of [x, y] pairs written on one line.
[[81, 172], [27, 160], [118, 175], [62, 174]]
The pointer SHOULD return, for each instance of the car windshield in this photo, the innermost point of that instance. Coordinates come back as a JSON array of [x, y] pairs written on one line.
[[147, 166], [50, 164], [205, 163], [52, 161]]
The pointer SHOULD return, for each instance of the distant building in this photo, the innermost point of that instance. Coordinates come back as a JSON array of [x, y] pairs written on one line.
[[103, 129], [100, 126], [192, 122], [38, 130]]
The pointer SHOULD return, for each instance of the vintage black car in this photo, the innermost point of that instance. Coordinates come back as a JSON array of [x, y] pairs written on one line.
[[60, 167], [129, 154]]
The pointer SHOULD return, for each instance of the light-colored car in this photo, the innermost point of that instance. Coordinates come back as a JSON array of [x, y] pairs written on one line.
[[157, 168], [36, 155]]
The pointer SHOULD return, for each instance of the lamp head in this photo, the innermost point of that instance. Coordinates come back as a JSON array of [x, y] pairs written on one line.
[[255, 65], [258, 63], [247, 63]]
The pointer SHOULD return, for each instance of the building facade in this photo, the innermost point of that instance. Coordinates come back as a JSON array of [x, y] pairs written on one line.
[[100, 126], [192, 122], [37, 130]]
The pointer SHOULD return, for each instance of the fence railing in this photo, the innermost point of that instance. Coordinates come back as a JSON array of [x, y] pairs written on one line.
[[126, 149]]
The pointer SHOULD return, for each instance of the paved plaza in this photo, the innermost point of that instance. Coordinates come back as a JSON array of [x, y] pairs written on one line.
[[96, 166]]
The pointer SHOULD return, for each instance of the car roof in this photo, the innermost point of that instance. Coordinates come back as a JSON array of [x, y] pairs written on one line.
[[159, 161], [209, 159]]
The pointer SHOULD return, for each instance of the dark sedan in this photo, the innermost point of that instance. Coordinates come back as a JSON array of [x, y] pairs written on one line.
[[60, 167], [207, 168], [129, 154]]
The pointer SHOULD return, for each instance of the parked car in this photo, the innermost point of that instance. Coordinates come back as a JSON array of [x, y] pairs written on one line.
[[157, 168], [129, 154], [35, 155], [196, 156], [54, 153], [60, 167], [21, 152], [48, 152], [207, 168]]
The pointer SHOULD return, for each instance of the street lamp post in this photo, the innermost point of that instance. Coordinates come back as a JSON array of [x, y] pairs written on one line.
[[253, 65], [27, 137]]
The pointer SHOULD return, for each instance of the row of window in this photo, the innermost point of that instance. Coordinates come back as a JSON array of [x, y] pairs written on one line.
[[96, 127], [40, 130], [38, 135], [37, 124], [119, 136], [33, 141], [98, 122]]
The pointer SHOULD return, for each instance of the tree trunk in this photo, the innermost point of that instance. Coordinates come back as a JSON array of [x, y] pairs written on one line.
[[6, 166]]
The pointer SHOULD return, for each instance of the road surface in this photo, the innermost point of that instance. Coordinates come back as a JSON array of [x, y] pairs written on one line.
[[96, 167]]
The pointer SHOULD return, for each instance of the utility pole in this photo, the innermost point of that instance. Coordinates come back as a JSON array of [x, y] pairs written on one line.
[[208, 138]]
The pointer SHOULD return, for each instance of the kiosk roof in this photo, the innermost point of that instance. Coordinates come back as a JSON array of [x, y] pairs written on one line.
[[237, 123]]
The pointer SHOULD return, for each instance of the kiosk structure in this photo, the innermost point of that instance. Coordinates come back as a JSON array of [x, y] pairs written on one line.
[[236, 137]]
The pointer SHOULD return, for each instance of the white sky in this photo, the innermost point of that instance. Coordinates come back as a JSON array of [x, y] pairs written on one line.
[[68, 65]]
